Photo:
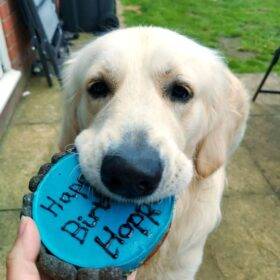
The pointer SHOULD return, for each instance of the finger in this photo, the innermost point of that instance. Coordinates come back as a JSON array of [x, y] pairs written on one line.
[[21, 259]]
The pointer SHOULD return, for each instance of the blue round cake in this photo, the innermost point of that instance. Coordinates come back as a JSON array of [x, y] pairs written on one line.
[[85, 229]]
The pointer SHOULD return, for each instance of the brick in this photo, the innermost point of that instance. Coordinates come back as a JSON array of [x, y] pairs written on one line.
[[13, 52], [8, 24], [16, 63], [7, 8], [16, 34], [19, 53], [13, 4], [4, 10], [22, 61], [11, 39]]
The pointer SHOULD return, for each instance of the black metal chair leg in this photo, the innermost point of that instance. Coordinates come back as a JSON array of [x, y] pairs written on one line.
[[54, 63], [263, 81], [272, 64], [48, 40], [45, 66]]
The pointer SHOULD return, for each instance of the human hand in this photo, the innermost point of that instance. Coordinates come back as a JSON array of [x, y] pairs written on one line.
[[21, 261]]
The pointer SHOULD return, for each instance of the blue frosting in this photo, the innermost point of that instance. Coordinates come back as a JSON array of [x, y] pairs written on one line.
[[86, 230]]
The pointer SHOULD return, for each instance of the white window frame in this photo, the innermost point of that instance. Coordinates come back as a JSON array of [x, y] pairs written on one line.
[[8, 76]]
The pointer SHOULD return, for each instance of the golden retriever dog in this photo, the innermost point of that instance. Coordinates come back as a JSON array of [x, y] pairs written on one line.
[[154, 114]]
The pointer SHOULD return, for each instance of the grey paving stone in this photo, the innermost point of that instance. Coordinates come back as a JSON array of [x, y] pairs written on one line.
[[246, 245], [8, 229], [41, 106], [262, 140], [22, 150], [244, 177]]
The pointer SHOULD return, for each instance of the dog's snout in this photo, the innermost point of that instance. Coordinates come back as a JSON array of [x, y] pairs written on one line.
[[132, 172]]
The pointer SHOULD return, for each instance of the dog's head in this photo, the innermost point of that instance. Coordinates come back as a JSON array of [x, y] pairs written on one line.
[[149, 109]]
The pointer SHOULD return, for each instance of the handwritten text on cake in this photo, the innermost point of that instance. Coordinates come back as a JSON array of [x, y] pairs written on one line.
[[79, 228]]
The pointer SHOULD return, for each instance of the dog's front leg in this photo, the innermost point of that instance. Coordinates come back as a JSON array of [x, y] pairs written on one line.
[[183, 265], [192, 261]]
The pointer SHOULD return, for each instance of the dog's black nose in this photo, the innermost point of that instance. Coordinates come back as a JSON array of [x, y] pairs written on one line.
[[132, 172]]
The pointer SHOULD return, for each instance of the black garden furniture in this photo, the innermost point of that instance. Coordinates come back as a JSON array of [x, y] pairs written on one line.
[[47, 37], [273, 62]]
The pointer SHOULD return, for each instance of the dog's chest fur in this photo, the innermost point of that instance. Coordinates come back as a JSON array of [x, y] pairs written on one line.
[[197, 214]]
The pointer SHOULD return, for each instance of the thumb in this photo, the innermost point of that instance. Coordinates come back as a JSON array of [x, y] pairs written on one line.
[[21, 260]]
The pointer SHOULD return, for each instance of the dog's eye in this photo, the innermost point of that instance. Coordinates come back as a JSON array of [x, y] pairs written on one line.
[[98, 89], [180, 93]]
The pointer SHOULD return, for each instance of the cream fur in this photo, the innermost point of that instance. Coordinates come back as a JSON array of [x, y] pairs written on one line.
[[195, 140]]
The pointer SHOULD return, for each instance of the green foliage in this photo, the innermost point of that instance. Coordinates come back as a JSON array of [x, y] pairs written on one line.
[[256, 24]]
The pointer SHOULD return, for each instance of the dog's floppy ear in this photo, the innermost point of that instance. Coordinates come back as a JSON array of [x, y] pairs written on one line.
[[69, 127], [216, 147]]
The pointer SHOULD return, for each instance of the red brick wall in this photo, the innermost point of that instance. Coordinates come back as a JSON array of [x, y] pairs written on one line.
[[16, 34]]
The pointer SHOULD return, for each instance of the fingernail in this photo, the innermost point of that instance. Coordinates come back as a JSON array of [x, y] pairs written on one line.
[[22, 225]]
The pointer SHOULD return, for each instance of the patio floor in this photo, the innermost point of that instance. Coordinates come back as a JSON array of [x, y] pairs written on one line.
[[247, 243]]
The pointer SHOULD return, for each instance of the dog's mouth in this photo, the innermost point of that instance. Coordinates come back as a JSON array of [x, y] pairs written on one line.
[[167, 187], [134, 169], [131, 188], [130, 171]]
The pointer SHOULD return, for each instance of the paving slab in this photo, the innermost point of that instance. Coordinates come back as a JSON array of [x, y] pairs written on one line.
[[246, 245], [244, 176], [266, 104], [23, 149], [263, 141], [252, 81], [42, 105], [8, 229]]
